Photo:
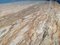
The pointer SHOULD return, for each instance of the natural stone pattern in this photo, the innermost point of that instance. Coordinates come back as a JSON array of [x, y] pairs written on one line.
[[38, 24]]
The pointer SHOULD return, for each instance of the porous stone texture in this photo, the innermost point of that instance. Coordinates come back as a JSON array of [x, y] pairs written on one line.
[[37, 24]]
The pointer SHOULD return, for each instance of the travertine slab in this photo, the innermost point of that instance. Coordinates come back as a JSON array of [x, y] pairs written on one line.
[[37, 24]]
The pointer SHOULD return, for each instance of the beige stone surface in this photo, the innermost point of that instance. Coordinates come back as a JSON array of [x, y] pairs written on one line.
[[30, 24]]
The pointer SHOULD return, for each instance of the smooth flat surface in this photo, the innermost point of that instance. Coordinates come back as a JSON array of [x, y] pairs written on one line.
[[30, 24]]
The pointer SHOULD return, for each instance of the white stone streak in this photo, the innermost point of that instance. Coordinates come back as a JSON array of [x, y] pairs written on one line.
[[20, 36], [4, 30]]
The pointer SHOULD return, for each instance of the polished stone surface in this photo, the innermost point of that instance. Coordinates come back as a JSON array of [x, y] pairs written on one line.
[[31, 24]]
